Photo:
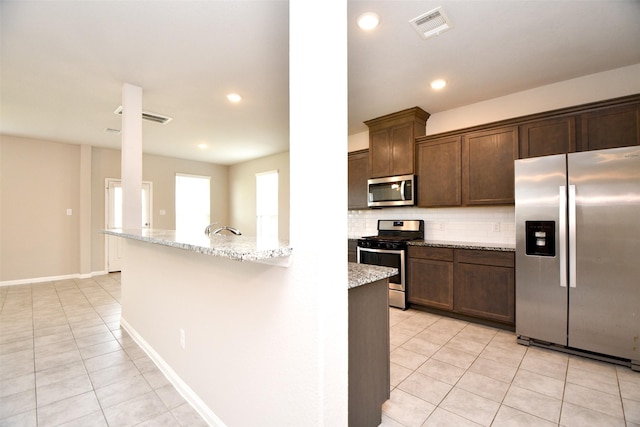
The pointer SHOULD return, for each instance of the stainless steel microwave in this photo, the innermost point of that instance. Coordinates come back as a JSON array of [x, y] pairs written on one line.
[[391, 191]]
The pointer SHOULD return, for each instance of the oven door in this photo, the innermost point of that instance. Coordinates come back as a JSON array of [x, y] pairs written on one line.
[[386, 258]]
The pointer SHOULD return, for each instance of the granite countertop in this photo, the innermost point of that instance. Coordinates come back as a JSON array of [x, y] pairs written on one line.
[[231, 246], [504, 247], [362, 274]]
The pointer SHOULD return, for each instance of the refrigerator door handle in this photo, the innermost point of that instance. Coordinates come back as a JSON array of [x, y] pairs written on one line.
[[572, 236], [562, 233]]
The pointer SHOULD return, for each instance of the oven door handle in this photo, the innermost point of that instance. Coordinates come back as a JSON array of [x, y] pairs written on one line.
[[381, 251]]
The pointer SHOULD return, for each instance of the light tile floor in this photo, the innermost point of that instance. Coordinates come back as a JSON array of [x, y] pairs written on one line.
[[64, 361], [447, 372]]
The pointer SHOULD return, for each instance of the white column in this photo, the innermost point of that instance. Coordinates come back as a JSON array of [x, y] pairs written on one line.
[[131, 166], [318, 160]]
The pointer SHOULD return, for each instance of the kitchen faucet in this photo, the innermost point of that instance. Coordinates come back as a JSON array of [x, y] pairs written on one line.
[[208, 231]]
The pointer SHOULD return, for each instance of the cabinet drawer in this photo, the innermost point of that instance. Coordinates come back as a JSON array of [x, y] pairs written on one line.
[[474, 256], [426, 252]]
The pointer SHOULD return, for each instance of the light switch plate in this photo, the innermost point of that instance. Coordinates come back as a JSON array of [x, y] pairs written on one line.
[[69, 212]]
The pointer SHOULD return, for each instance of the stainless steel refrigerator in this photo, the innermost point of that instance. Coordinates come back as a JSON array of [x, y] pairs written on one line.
[[578, 252]]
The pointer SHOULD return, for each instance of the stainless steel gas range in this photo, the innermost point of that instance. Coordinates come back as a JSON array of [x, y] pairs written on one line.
[[389, 248]]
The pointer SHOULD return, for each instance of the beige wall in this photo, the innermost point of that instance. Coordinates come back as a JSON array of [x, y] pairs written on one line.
[[242, 199], [161, 171], [40, 181]]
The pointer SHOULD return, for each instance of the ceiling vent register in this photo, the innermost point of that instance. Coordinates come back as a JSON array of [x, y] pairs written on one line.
[[152, 117], [431, 23]]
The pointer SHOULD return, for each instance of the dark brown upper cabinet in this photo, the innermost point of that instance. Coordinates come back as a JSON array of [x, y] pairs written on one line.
[[392, 142], [547, 137], [439, 172], [464, 169], [358, 175], [610, 127], [487, 166]]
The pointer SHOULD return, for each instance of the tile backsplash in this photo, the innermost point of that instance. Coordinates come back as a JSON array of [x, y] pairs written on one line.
[[487, 224]]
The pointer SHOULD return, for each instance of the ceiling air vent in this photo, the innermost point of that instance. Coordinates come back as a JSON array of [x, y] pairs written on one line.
[[431, 23], [152, 117]]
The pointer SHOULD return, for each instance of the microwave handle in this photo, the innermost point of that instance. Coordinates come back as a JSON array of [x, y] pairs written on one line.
[[402, 187]]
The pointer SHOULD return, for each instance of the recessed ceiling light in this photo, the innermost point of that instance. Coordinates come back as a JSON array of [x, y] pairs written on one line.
[[202, 146], [368, 21], [438, 84], [234, 97]]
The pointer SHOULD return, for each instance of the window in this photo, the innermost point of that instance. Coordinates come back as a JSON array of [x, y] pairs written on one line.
[[192, 203], [267, 204]]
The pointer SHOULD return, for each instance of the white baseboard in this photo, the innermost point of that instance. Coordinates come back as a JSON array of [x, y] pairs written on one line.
[[52, 278], [185, 391]]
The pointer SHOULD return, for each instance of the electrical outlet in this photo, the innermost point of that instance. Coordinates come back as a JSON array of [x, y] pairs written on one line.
[[182, 339], [496, 227]]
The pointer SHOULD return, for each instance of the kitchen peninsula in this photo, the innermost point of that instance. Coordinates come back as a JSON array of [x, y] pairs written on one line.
[[182, 299]]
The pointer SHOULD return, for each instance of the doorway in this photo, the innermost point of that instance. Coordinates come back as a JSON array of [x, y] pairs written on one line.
[[113, 219]]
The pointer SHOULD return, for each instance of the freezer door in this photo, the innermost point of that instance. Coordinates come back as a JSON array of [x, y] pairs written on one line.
[[541, 291], [604, 310]]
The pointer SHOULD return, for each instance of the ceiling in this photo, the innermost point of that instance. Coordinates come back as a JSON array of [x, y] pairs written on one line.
[[64, 64]]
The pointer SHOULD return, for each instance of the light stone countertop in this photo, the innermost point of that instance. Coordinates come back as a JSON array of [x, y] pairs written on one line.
[[231, 246], [242, 248], [503, 247], [486, 246], [362, 274]]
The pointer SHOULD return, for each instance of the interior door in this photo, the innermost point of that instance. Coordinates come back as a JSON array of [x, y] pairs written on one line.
[[113, 219]]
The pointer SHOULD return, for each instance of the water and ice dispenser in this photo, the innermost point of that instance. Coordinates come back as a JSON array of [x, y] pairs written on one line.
[[541, 238]]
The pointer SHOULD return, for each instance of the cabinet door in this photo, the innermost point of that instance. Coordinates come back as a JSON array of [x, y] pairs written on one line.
[[610, 128], [430, 283], [379, 154], [402, 146], [485, 291], [439, 169], [547, 137], [487, 166], [358, 176]]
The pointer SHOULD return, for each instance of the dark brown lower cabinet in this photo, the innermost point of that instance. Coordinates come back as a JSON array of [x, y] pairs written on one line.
[[369, 374], [485, 285], [430, 273], [352, 251], [476, 283]]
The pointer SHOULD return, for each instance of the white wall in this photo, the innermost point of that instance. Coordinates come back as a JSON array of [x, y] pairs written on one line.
[[485, 224], [595, 87], [582, 90]]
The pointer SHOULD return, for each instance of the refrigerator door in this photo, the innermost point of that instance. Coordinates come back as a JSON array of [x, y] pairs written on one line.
[[541, 290], [604, 310]]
